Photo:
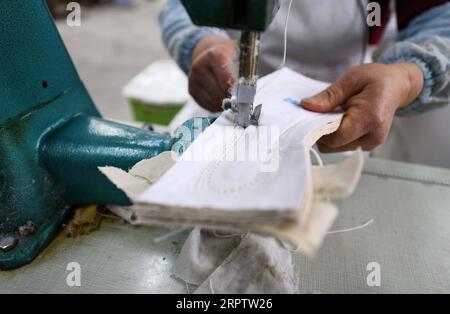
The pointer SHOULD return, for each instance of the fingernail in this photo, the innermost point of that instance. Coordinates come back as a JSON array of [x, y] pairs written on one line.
[[311, 101]]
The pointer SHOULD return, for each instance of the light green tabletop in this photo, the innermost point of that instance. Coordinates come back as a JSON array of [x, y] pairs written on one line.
[[409, 240]]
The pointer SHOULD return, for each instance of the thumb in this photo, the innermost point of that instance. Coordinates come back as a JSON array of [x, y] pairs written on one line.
[[332, 97]]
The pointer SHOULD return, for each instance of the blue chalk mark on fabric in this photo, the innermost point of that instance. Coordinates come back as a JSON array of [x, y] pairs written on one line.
[[292, 101]]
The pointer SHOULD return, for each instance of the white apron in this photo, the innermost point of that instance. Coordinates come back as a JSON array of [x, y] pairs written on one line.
[[325, 38]]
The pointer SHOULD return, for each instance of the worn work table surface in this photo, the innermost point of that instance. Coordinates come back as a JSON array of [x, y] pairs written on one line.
[[409, 239]]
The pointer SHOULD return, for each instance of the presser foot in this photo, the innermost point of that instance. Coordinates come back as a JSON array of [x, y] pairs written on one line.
[[245, 116]]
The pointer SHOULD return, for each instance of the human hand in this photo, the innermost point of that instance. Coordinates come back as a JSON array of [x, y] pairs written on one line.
[[370, 94], [211, 76]]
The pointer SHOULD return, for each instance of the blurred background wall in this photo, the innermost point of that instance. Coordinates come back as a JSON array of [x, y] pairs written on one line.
[[116, 40]]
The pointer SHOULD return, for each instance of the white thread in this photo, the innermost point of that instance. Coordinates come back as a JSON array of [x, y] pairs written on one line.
[[225, 236], [352, 229], [286, 24], [169, 234], [210, 287], [187, 288], [286, 246], [283, 62], [317, 156], [320, 162]]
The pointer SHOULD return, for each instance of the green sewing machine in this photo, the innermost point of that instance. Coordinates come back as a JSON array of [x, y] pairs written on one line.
[[52, 138]]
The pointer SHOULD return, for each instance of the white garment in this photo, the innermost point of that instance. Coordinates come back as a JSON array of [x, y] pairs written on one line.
[[325, 38], [245, 264]]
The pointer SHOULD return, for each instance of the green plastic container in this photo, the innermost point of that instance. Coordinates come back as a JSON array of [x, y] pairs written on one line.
[[158, 93], [154, 114]]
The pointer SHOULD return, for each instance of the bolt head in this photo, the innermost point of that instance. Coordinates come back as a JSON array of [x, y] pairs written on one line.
[[27, 229], [8, 243]]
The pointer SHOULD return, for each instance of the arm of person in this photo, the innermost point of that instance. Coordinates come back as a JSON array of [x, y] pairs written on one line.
[[426, 43], [204, 53], [181, 36], [412, 76]]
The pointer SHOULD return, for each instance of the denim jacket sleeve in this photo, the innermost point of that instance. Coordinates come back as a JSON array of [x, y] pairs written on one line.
[[180, 35], [426, 42]]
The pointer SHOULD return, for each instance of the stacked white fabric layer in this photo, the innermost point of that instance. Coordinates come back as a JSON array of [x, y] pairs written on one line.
[[257, 179]]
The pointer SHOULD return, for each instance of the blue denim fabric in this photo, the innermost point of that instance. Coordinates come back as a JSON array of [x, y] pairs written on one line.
[[426, 42]]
